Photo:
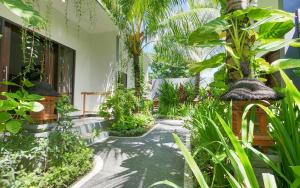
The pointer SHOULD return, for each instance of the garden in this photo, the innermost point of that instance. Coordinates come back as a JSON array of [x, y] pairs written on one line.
[[243, 122]]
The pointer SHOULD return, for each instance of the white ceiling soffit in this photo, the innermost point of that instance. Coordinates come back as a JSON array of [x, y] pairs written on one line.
[[102, 22]]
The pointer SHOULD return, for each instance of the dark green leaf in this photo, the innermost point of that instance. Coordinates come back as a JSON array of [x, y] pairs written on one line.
[[4, 116], [27, 83], [2, 127], [7, 83], [275, 30], [210, 63], [209, 34], [13, 126]]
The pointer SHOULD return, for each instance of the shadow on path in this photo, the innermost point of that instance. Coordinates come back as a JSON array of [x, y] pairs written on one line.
[[140, 162]]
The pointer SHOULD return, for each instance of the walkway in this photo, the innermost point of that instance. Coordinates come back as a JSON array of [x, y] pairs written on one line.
[[140, 162]]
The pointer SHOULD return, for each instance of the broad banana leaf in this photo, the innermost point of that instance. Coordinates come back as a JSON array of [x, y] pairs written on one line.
[[271, 45], [213, 62], [284, 64], [209, 34], [26, 12], [258, 14], [273, 30]]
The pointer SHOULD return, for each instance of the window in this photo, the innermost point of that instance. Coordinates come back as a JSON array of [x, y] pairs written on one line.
[[51, 62]]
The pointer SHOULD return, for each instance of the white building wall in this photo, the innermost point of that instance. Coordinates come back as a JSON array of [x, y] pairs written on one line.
[[95, 54]]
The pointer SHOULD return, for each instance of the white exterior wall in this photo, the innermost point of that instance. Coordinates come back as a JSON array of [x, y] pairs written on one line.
[[95, 54]]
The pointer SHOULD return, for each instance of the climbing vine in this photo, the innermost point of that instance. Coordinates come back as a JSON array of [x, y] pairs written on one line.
[[81, 8]]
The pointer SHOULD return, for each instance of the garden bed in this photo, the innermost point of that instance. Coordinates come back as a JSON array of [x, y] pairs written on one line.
[[131, 133], [27, 161]]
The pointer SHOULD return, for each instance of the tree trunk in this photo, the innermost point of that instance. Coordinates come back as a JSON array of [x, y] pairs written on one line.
[[137, 75], [197, 84], [234, 75]]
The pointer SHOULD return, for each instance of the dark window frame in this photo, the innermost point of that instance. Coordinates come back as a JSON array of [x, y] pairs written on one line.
[[5, 21]]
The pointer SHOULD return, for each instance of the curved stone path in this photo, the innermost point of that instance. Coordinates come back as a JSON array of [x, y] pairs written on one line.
[[140, 162]]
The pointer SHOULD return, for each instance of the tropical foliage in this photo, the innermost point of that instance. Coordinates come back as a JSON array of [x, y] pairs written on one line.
[[175, 101], [126, 120], [262, 33], [222, 153], [172, 49], [15, 107], [25, 11], [138, 20], [27, 161]]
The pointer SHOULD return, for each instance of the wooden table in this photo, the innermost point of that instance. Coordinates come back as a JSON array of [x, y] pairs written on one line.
[[85, 94]]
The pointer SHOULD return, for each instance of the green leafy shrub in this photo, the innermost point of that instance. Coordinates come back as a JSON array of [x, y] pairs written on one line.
[[205, 136], [56, 161], [64, 109], [70, 158], [175, 102], [169, 95], [131, 116], [285, 124]]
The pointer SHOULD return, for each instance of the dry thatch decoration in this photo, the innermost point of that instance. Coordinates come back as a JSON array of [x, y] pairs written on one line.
[[251, 89]]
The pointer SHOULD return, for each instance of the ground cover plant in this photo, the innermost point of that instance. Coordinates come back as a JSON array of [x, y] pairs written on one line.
[[27, 161], [53, 161], [130, 115]]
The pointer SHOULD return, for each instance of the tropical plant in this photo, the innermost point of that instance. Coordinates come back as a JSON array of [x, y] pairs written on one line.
[[174, 32], [138, 19], [15, 106], [262, 33], [169, 95], [121, 108], [204, 135], [162, 68], [241, 173], [28, 161], [64, 109], [285, 130], [175, 101]]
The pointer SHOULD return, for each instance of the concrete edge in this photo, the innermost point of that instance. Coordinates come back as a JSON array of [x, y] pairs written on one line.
[[188, 174], [97, 167]]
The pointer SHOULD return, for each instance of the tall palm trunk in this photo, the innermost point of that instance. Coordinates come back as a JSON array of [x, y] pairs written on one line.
[[197, 84], [134, 43], [234, 75], [137, 75]]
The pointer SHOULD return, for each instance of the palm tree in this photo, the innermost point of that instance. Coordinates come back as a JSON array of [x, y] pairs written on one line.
[[138, 20], [175, 30]]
